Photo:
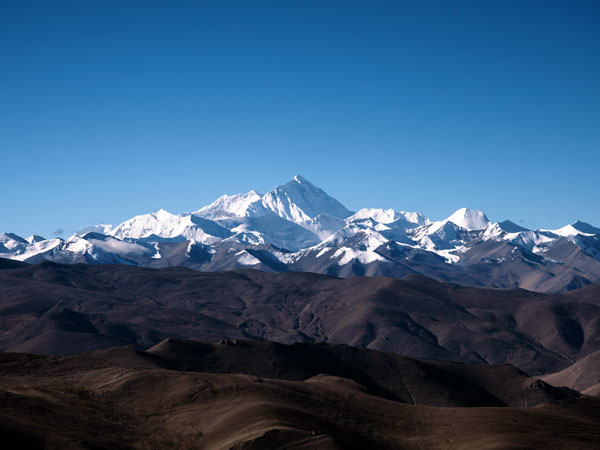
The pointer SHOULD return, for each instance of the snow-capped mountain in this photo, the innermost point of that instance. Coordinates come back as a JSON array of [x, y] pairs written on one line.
[[164, 225], [577, 228], [298, 201], [228, 206], [469, 219], [298, 226]]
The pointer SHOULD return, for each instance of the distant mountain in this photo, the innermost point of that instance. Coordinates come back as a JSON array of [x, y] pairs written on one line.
[[298, 227]]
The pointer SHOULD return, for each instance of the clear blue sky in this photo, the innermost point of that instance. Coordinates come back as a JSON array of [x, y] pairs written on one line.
[[110, 109]]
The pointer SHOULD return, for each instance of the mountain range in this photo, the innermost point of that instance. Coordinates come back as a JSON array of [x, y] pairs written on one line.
[[299, 227]]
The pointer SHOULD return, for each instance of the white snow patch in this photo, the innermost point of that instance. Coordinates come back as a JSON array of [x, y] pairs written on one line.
[[156, 255], [348, 254], [322, 252], [450, 255], [247, 259]]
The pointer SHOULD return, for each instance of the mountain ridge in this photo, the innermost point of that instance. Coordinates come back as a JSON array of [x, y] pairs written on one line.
[[298, 226]]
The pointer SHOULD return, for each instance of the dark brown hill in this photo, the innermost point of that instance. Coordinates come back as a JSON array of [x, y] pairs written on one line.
[[51, 308], [384, 374], [123, 398]]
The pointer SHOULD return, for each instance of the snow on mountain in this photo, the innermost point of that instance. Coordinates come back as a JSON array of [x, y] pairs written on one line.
[[537, 241], [228, 206], [388, 225], [577, 228], [297, 226], [358, 242], [378, 214], [388, 216], [298, 201], [163, 224], [470, 219], [15, 247], [8, 244], [346, 255], [371, 228], [450, 237], [11, 240], [467, 219], [534, 241], [91, 248], [355, 236], [271, 229], [324, 225], [590, 245], [529, 240], [441, 236], [244, 235], [246, 259], [409, 220], [96, 248], [494, 231], [76, 244]]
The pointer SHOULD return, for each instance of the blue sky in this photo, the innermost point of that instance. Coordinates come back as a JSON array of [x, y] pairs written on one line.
[[112, 109]]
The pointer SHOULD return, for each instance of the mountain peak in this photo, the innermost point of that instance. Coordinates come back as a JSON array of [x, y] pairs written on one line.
[[576, 228], [510, 227], [299, 200], [299, 179], [585, 227], [35, 238], [471, 219], [12, 236]]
